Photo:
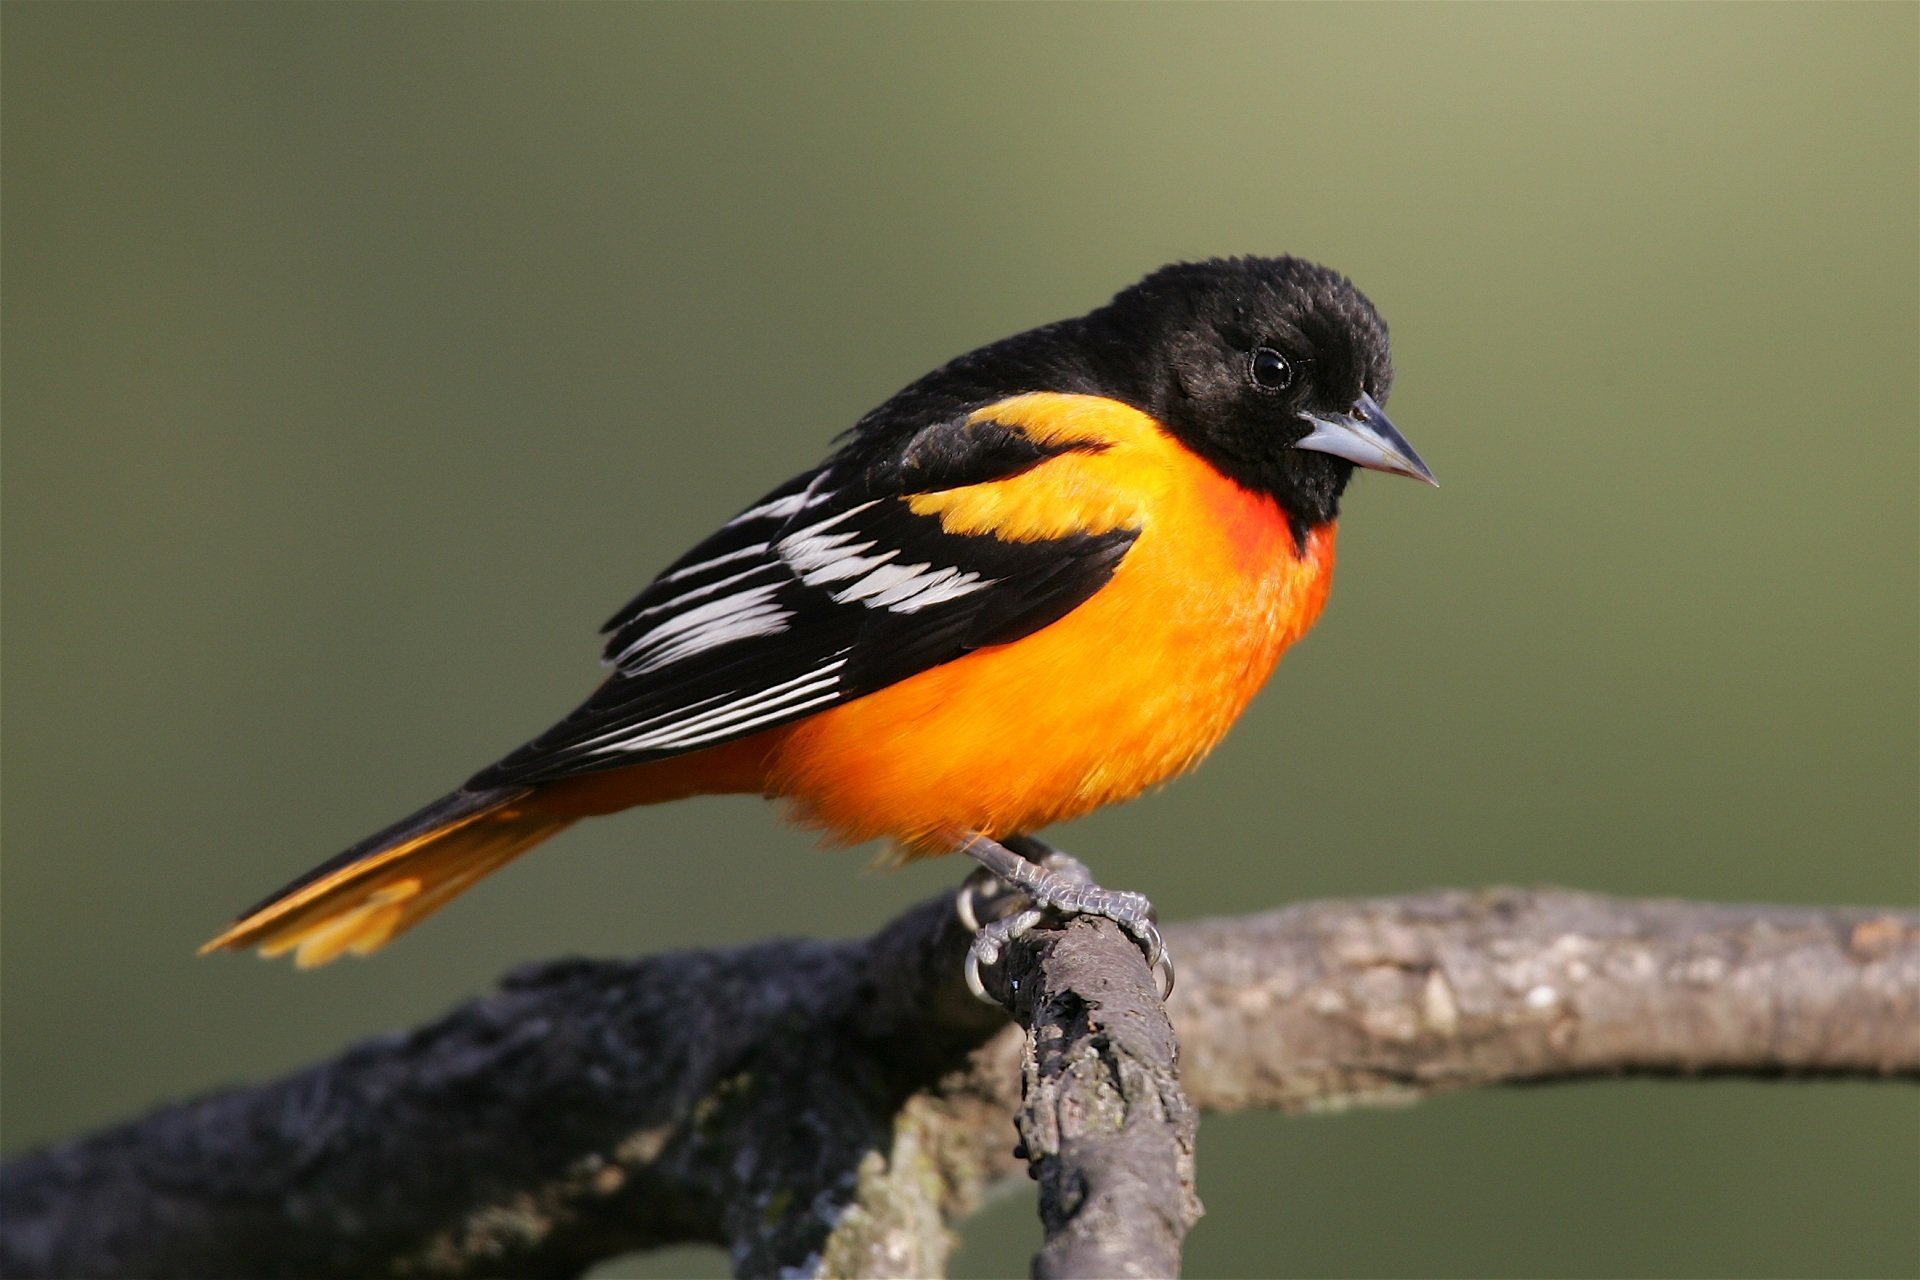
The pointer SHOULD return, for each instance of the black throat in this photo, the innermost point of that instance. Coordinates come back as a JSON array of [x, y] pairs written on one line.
[[1305, 484]]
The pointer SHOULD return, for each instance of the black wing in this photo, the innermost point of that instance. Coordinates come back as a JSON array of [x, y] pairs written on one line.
[[828, 588]]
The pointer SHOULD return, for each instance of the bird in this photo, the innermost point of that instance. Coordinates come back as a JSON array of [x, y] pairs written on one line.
[[1043, 578]]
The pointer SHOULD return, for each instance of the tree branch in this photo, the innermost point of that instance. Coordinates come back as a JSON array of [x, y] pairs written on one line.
[[831, 1107], [1104, 1126]]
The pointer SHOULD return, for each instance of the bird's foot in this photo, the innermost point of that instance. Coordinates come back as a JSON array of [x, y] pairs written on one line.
[[986, 897], [1024, 880]]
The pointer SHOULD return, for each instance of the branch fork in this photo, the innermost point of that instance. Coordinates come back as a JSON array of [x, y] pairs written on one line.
[[834, 1108]]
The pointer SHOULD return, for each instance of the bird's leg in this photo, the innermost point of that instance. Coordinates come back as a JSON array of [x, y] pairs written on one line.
[[1050, 856], [1050, 881], [985, 889]]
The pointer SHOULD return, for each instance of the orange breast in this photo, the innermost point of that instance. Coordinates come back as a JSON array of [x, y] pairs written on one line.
[[1131, 688]]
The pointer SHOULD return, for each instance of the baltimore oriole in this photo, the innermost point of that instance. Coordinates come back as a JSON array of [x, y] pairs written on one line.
[[1036, 581]]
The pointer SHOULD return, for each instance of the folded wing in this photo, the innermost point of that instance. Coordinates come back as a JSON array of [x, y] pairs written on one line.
[[828, 588]]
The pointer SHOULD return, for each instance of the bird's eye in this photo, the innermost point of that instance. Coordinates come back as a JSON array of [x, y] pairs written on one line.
[[1269, 370]]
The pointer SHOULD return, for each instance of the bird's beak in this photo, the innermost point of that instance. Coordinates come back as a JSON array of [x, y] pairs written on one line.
[[1363, 435]]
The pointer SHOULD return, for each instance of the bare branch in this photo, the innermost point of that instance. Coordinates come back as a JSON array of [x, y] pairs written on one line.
[[1332, 1002], [830, 1106], [745, 1098], [1104, 1126]]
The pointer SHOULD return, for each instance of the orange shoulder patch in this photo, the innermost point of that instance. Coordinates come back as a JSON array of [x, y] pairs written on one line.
[[1088, 491]]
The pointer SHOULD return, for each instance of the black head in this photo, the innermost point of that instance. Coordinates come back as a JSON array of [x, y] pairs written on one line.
[[1272, 369]]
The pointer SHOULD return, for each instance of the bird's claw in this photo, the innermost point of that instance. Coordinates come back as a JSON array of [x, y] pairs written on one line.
[[1146, 934], [963, 907], [1159, 959], [990, 941], [1067, 890], [982, 889]]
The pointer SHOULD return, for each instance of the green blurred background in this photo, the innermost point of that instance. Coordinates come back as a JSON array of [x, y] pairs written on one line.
[[359, 360]]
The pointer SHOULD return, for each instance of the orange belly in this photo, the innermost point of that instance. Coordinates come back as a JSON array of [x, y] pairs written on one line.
[[1130, 689]]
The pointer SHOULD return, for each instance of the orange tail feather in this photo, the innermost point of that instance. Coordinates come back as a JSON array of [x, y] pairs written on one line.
[[377, 890]]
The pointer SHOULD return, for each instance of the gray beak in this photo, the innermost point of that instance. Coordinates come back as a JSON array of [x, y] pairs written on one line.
[[1362, 435]]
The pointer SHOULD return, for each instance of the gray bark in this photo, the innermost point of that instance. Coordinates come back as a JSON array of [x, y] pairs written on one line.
[[835, 1107], [1104, 1126]]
